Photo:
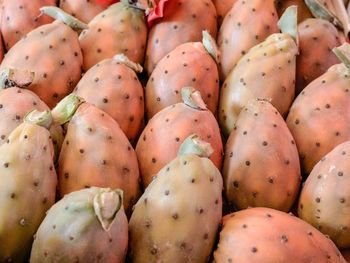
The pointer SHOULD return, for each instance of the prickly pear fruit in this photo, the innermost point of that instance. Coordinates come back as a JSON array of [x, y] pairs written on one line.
[[183, 22], [20, 17], [309, 119], [165, 225], [189, 64], [267, 71], [247, 24], [49, 51], [84, 10], [27, 175], [121, 28], [265, 235], [85, 226], [164, 133], [261, 166], [325, 196], [222, 8], [95, 152], [303, 11]]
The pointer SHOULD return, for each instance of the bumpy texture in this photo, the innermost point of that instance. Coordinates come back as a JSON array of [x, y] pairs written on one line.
[[114, 88], [303, 11], [261, 166], [183, 22], [319, 117], [324, 200], [317, 38], [20, 17], [264, 235], [187, 65], [84, 10], [247, 24], [121, 28], [50, 51], [222, 8], [96, 152], [177, 218], [27, 189], [267, 71], [73, 232]]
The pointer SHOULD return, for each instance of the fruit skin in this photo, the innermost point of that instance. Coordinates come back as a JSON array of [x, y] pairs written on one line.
[[165, 225], [50, 50], [323, 102], [317, 38], [188, 64], [222, 8], [27, 175], [84, 10], [183, 22], [267, 235], [160, 140], [95, 152], [107, 35], [267, 71], [247, 24], [303, 11], [20, 17], [324, 198], [114, 88], [72, 232], [261, 166]]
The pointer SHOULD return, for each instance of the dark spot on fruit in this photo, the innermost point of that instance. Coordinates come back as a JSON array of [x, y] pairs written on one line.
[[175, 216], [254, 249], [247, 163], [318, 200], [154, 160]]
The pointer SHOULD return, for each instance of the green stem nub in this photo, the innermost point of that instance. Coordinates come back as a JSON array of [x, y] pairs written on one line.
[[41, 118], [125, 60], [192, 98], [66, 108], [343, 53], [195, 145], [288, 22], [66, 18], [107, 204], [210, 45], [10, 77]]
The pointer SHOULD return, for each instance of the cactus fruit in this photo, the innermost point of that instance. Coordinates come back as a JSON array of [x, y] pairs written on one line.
[[27, 186], [85, 226], [84, 10], [178, 216], [112, 85], [267, 71], [264, 235], [303, 11], [324, 198], [309, 119], [261, 167], [164, 133], [183, 22], [121, 28], [247, 24], [189, 64], [20, 17], [222, 8], [95, 152], [49, 51]]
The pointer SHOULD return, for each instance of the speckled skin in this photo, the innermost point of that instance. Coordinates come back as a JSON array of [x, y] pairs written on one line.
[[261, 166], [119, 29], [267, 71], [71, 232], [187, 65], [27, 189], [247, 24], [320, 115], [50, 50], [114, 88], [96, 152], [84, 10], [183, 22], [177, 218], [264, 235], [20, 17], [222, 8], [303, 11], [325, 195]]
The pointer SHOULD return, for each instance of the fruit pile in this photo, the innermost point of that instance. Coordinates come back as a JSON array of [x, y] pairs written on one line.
[[174, 131]]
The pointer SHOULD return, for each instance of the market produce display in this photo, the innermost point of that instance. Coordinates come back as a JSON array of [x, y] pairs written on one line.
[[174, 131]]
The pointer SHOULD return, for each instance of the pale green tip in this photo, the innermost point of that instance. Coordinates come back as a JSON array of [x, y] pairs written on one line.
[[66, 108], [288, 22], [195, 145], [210, 45], [10, 77], [192, 98], [41, 118], [125, 60], [343, 53], [107, 204]]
